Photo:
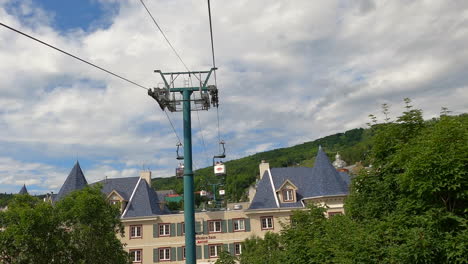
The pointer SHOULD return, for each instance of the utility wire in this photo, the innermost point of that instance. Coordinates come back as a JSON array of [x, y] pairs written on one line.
[[164, 35], [73, 56]]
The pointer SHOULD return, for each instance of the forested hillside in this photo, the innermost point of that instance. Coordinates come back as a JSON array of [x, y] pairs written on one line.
[[353, 145]]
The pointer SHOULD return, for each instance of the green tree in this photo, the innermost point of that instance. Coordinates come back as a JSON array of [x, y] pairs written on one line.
[[81, 228], [32, 233], [226, 258], [262, 251], [411, 207]]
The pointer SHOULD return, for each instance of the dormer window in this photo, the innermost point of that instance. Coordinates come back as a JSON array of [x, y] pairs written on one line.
[[288, 195], [287, 192]]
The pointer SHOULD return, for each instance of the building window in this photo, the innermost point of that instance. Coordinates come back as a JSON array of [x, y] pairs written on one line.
[[214, 226], [237, 249], [214, 250], [183, 252], [334, 213], [183, 229], [164, 230], [135, 231], [267, 222], [136, 255], [239, 224], [164, 254], [114, 202], [288, 195]]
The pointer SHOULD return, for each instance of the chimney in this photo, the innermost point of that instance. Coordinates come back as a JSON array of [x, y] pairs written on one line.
[[263, 167], [146, 175]]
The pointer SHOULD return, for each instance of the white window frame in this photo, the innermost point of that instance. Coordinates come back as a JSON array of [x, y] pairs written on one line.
[[166, 254], [288, 195], [136, 231], [214, 226], [164, 229], [136, 255], [217, 250], [267, 223], [240, 224], [237, 249]]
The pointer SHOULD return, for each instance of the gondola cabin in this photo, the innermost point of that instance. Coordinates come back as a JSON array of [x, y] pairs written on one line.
[[219, 169], [180, 171], [222, 192], [202, 193]]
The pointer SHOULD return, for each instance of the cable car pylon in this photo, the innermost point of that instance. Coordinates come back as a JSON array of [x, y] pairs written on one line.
[[179, 99]]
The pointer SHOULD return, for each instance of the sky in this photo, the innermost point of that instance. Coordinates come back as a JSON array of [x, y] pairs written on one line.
[[288, 73]]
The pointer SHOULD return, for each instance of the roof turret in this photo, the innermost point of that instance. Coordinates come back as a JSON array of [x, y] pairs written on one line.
[[75, 181], [23, 190]]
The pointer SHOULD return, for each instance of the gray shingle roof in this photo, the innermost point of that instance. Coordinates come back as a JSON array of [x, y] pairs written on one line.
[[264, 197], [321, 180], [144, 202], [23, 190], [124, 186], [75, 181]]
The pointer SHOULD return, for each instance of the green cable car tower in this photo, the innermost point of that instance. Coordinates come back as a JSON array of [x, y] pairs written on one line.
[[179, 99]]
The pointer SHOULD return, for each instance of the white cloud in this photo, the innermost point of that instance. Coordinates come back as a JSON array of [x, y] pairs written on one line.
[[288, 74]]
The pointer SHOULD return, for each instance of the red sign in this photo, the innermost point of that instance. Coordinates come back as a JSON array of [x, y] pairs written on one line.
[[204, 239]]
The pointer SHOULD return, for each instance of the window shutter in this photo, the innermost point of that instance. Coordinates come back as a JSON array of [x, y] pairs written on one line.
[[173, 254], [223, 226], [173, 230], [247, 224], [198, 227], [179, 229], [232, 249], [205, 253], [155, 255], [230, 229], [205, 227], [155, 230], [225, 247], [179, 253], [199, 255]]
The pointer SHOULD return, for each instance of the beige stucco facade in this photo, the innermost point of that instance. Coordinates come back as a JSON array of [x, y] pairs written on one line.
[[149, 243]]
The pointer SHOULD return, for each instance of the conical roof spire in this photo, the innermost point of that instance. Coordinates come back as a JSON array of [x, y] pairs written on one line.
[[23, 190], [75, 181], [322, 159]]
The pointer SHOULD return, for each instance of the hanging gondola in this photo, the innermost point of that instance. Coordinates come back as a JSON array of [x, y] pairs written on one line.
[[180, 171], [218, 166]]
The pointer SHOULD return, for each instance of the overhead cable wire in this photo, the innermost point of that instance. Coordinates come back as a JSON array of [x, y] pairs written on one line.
[[201, 128], [172, 125], [212, 43], [164, 35], [73, 56], [214, 66]]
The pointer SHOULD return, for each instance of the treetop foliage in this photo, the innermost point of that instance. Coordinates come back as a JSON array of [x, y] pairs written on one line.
[[411, 207], [81, 228]]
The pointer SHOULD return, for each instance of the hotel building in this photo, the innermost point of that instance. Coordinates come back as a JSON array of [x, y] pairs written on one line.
[[154, 234]]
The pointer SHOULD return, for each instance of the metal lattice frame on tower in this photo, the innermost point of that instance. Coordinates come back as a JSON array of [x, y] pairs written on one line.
[[179, 99], [171, 98]]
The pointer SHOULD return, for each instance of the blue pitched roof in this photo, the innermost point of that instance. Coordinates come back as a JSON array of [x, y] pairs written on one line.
[[124, 186], [264, 196], [23, 190], [321, 180], [144, 202], [75, 181]]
